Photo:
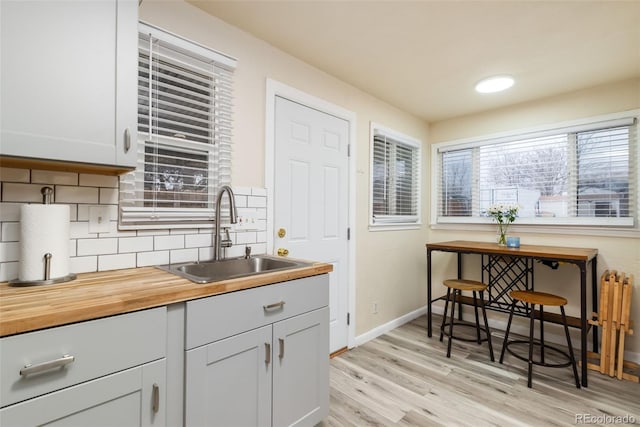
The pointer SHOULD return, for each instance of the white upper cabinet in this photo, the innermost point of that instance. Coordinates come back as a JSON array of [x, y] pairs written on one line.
[[69, 81]]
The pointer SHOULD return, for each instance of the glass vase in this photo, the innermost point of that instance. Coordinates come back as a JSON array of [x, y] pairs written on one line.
[[502, 234]]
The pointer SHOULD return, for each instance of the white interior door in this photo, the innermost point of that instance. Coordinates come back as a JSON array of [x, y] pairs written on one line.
[[311, 195]]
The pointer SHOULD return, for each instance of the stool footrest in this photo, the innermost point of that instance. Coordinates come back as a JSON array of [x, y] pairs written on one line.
[[483, 337], [537, 343]]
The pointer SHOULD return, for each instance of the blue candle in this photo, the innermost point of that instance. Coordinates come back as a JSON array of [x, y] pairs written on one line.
[[513, 242]]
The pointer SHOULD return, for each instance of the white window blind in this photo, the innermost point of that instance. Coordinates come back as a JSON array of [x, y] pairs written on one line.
[[184, 132], [395, 178], [580, 175]]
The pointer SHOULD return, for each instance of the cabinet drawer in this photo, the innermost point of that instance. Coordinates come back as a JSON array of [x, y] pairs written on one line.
[[99, 347], [214, 318]]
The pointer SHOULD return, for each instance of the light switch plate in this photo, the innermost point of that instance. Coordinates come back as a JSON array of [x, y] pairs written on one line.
[[99, 219]]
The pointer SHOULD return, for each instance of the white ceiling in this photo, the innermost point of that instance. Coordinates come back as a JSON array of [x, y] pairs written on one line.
[[425, 57]]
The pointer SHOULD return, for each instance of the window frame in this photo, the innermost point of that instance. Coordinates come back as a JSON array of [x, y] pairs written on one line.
[[133, 214], [591, 225], [395, 222]]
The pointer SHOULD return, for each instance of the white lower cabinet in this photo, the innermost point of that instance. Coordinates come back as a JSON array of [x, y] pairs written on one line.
[[104, 372], [274, 374], [122, 399]]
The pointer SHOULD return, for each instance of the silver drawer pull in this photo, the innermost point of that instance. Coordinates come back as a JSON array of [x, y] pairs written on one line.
[[273, 306], [127, 140], [155, 398], [46, 366], [281, 342], [267, 353]]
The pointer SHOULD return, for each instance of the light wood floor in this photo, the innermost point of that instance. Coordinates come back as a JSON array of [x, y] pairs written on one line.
[[404, 378]]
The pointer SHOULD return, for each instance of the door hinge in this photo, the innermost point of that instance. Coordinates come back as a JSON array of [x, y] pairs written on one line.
[[348, 319], [348, 233], [348, 150]]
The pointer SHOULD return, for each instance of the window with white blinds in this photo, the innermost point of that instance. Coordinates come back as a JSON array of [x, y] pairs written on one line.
[[395, 178], [581, 174], [184, 133]]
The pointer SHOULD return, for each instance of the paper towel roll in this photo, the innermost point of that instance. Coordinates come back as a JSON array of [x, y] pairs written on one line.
[[43, 229]]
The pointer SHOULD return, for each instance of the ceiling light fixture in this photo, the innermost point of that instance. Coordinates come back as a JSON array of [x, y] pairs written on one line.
[[494, 84]]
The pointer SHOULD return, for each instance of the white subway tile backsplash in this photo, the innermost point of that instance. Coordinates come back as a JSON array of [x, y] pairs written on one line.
[[83, 264], [67, 194], [245, 238], [97, 246], [108, 196], [198, 240], [117, 248], [145, 259], [168, 242], [8, 271], [135, 244], [241, 201], [54, 177], [10, 212], [184, 231], [14, 175], [152, 232], [205, 254], [242, 191], [183, 255], [90, 180], [80, 230], [9, 251], [256, 202], [10, 231], [13, 192], [116, 262]]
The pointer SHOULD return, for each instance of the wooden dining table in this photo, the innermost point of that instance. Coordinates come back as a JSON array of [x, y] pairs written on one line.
[[505, 268]]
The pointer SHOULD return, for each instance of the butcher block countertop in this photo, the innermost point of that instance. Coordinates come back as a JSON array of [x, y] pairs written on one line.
[[95, 295]]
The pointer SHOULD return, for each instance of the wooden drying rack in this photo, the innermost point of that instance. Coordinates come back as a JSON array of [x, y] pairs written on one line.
[[613, 318]]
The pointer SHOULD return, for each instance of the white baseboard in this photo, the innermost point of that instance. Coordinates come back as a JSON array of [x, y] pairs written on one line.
[[389, 326], [497, 325]]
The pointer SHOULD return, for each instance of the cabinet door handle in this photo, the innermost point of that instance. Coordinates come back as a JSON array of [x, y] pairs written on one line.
[[273, 306], [155, 398], [281, 353], [267, 351], [127, 140], [45, 366]]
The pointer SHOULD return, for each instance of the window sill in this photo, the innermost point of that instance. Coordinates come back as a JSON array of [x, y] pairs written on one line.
[[632, 233], [394, 227]]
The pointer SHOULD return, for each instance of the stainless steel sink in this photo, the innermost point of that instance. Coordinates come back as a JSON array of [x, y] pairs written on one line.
[[214, 271]]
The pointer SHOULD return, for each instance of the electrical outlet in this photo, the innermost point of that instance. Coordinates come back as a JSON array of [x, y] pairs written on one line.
[[247, 220], [99, 219]]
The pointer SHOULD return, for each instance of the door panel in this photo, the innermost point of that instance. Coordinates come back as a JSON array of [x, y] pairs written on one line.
[[311, 195]]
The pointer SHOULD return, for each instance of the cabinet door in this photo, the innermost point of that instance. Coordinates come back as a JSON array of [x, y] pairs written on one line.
[[301, 369], [122, 399], [60, 74], [228, 382]]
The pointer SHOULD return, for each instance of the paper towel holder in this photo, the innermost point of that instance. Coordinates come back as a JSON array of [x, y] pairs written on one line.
[[47, 194]]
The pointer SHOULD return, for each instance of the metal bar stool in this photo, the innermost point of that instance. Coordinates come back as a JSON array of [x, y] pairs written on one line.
[[532, 298], [459, 285]]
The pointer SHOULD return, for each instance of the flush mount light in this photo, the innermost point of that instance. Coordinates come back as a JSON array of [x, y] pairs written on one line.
[[494, 84]]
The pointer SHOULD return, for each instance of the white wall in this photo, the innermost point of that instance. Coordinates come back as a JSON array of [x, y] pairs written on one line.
[[614, 253], [390, 266]]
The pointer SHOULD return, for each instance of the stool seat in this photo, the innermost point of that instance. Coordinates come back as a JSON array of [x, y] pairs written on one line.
[[538, 298], [465, 285]]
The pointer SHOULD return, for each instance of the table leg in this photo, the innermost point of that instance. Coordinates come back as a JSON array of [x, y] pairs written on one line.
[[429, 329], [594, 299], [583, 321]]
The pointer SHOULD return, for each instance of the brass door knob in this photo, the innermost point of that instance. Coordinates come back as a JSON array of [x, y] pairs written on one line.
[[282, 232], [283, 252]]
